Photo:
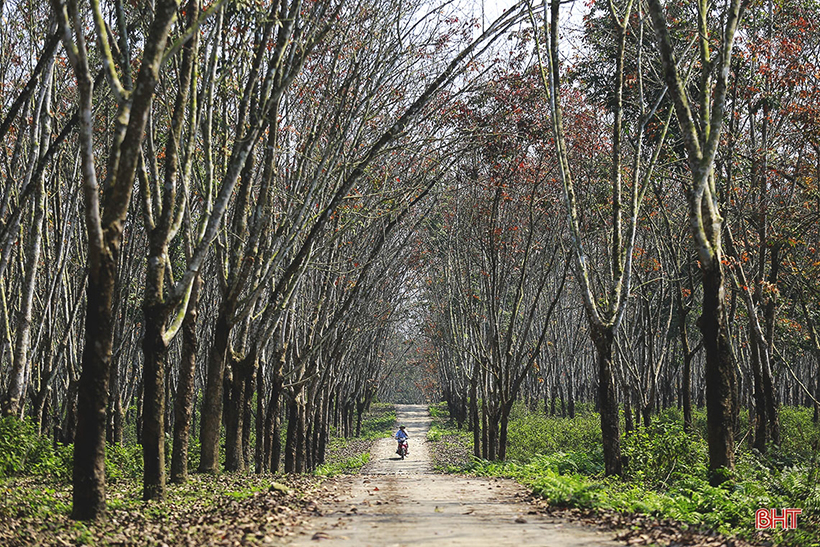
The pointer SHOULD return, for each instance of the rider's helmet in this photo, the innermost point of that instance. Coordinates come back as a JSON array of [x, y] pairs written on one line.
[[401, 427]]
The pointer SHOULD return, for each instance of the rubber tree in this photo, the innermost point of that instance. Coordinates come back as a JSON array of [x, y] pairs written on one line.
[[270, 76], [504, 266], [681, 264], [605, 312], [700, 128], [163, 212], [284, 281], [13, 403], [104, 219]]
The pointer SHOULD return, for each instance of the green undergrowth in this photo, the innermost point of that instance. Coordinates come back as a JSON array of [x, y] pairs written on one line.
[[379, 421], [666, 472], [348, 466], [23, 454], [345, 456], [450, 447]]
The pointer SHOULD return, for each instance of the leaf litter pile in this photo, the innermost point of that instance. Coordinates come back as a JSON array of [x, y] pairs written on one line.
[[208, 510]]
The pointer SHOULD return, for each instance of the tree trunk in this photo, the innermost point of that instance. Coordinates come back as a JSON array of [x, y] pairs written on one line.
[[14, 404], [118, 419], [301, 434], [502, 436], [607, 401], [237, 449], [40, 410], [485, 439], [88, 499], [721, 382], [816, 417], [760, 421], [183, 404], [769, 392], [234, 397], [261, 450], [290, 439], [153, 417], [629, 426], [492, 434], [247, 415], [68, 429], [686, 388], [274, 438], [309, 428], [323, 432], [360, 404], [211, 422], [476, 423]]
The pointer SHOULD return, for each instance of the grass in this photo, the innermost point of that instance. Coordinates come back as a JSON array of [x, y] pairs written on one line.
[[379, 422]]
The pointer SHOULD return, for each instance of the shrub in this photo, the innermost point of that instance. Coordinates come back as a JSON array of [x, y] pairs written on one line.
[[666, 474], [439, 410], [123, 462], [23, 452], [533, 433], [800, 436], [663, 452]]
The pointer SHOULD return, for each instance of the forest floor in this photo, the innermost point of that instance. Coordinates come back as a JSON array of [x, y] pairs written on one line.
[[402, 502]]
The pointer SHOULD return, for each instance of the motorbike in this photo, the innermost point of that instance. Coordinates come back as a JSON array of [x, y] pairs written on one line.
[[402, 449]]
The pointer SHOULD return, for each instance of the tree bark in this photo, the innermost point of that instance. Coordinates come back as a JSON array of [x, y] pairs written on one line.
[[212, 401], [262, 445], [183, 403], [474, 419], [153, 400], [721, 381], [88, 476], [273, 439], [607, 400], [701, 138], [502, 436], [14, 403], [290, 440], [686, 387], [68, 429]]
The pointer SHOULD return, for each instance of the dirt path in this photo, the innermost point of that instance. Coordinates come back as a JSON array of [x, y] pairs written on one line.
[[398, 503]]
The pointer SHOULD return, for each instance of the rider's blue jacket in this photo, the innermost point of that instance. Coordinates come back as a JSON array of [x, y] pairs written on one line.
[[400, 435]]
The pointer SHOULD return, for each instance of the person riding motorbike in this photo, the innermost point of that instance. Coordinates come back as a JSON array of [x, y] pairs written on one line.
[[402, 436]]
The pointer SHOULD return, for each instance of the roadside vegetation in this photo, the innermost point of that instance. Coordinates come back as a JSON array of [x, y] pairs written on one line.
[[348, 455], [665, 471], [228, 508], [450, 447]]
